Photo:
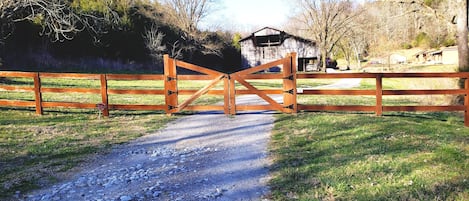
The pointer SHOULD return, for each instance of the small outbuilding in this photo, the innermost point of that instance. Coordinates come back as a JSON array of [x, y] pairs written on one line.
[[269, 44], [447, 55], [450, 55], [397, 59]]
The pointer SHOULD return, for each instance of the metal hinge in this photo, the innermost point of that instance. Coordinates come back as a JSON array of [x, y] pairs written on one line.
[[290, 77], [172, 92], [170, 107], [289, 107], [169, 79], [289, 91]]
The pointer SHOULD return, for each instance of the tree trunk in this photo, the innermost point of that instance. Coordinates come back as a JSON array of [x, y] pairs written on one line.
[[462, 34], [357, 55], [463, 50], [324, 60]]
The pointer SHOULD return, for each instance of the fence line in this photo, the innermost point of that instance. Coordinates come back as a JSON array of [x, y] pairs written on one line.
[[379, 92], [289, 91]]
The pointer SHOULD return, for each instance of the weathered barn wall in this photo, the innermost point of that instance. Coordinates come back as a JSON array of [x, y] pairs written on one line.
[[254, 54]]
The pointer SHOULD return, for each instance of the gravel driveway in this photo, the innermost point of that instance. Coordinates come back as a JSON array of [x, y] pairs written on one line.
[[196, 157]]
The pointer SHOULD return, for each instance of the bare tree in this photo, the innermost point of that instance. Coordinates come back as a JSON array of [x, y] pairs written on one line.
[[154, 43], [187, 14], [462, 34], [327, 21], [353, 44], [58, 18], [176, 50]]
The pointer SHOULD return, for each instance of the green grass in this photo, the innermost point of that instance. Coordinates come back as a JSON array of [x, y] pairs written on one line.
[[334, 156], [356, 156]]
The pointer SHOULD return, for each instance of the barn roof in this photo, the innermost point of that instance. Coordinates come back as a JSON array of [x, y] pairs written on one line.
[[269, 31]]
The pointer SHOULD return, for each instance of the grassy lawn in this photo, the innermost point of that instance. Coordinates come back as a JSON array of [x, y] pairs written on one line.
[[333, 156], [356, 156]]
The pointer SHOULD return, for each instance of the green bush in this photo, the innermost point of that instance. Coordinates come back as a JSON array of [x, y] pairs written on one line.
[[449, 42], [422, 40], [406, 46]]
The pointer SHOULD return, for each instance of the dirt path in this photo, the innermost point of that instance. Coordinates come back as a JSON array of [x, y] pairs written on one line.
[[196, 157]]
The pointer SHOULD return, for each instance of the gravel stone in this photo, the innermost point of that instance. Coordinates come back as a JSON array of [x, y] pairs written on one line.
[[206, 156]]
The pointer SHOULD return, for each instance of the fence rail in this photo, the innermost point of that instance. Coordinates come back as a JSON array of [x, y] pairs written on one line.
[[379, 92], [290, 91]]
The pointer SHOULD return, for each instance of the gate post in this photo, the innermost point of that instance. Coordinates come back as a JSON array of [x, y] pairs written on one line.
[[170, 85], [289, 84], [232, 89], [226, 95]]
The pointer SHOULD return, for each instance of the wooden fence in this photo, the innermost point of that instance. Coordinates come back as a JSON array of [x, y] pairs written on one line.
[[379, 92], [289, 90]]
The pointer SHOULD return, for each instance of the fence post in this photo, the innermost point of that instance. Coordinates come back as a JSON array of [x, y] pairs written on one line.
[[232, 89], [226, 98], [38, 93], [170, 85], [379, 94], [104, 95], [289, 87], [466, 102]]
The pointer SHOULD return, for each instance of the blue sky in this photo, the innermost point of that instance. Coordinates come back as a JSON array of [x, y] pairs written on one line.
[[248, 15]]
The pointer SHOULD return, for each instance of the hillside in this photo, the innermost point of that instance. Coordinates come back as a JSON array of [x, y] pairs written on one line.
[[122, 45]]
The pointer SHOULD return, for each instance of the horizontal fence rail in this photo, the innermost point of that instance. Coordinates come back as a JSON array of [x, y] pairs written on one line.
[[104, 91], [379, 92], [171, 91]]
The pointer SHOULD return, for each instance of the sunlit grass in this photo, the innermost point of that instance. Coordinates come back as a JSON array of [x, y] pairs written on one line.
[[356, 156], [333, 156]]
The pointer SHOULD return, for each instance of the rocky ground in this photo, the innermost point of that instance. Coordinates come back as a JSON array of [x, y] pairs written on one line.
[[197, 157]]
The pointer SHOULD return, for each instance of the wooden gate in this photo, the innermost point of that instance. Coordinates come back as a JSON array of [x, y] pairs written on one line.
[[288, 91], [172, 91], [287, 73]]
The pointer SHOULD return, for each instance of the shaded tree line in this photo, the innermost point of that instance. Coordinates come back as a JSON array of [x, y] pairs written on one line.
[[107, 36]]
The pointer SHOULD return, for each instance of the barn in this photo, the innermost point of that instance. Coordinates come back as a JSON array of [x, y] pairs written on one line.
[[269, 44]]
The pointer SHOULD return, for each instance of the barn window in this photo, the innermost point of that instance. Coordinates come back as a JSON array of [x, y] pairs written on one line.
[[269, 40]]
